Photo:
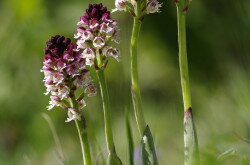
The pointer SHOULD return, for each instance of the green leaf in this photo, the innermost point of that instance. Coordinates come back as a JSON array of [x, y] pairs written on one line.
[[130, 140], [148, 148], [113, 159], [226, 154]]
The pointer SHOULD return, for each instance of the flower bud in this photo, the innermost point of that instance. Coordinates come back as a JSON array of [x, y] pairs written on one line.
[[120, 4], [153, 6]]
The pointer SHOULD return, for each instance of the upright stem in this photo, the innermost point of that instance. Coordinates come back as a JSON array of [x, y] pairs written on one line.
[[135, 88], [106, 109], [183, 60], [82, 133], [84, 143], [190, 137]]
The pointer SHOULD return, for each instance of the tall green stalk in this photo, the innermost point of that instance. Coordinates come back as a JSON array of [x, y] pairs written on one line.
[[113, 159], [190, 137], [147, 143], [106, 110], [136, 95], [82, 133]]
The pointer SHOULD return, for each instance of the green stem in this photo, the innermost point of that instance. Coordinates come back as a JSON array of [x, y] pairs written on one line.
[[84, 144], [106, 109], [183, 59], [82, 133], [190, 137], [136, 95]]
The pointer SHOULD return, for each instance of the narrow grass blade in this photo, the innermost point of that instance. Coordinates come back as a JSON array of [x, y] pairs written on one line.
[[130, 140], [56, 138], [226, 154]]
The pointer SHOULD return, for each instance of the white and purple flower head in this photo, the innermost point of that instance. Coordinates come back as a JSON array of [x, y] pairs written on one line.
[[95, 30], [64, 71], [151, 6]]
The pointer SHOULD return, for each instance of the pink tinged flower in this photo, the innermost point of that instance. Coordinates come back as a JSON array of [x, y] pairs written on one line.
[[81, 64], [90, 90], [111, 52], [106, 17], [60, 65], [109, 28], [98, 42], [48, 61], [54, 101], [58, 78], [89, 61], [63, 91], [82, 80], [104, 28], [80, 30], [120, 4], [93, 23], [68, 57], [153, 6], [88, 53], [47, 72], [49, 85], [81, 44], [82, 23], [72, 70], [87, 35], [73, 114], [82, 104], [77, 35]]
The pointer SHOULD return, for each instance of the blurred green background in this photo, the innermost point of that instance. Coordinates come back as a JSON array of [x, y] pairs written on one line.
[[218, 35]]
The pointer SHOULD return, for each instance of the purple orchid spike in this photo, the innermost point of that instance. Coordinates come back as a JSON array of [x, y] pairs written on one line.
[[64, 71], [95, 30]]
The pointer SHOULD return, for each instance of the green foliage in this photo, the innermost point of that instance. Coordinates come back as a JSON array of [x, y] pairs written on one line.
[[130, 140], [218, 45], [148, 148]]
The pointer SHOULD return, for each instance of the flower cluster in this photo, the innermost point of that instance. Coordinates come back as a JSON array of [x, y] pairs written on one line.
[[64, 71], [95, 30], [151, 6]]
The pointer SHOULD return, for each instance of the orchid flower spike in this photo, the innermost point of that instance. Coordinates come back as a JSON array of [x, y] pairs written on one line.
[[64, 72], [95, 31]]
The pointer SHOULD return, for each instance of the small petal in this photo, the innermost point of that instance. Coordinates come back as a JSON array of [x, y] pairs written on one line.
[[82, 23], [60, 65], [111, 52], [77, 35], [87, 35], [81, 44], [88, 53], [55, 101], [82, 104], [58, 78], [82, 80], [93, 23], [120, 4], [153, 6], [63, 92], [90, 90], [89, 62], [73, 115], [98, 42]]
